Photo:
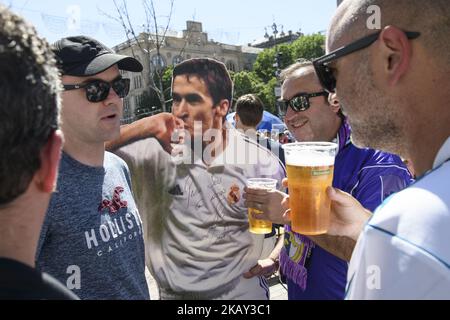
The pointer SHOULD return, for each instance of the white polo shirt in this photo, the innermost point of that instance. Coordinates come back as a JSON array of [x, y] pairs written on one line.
[[404, 251], [196, 226]]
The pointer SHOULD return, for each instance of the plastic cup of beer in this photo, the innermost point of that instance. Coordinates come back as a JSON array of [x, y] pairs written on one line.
[[310, 167], [259, 226]]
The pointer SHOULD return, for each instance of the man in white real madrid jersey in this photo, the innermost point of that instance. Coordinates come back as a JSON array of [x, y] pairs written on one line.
[[196, 225]]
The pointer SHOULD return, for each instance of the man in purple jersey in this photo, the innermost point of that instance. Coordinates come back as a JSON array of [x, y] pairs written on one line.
[[369, 175]]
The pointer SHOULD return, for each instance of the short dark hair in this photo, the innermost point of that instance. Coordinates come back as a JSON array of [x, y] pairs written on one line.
[[250, 110], [214, 73], [29, 103]]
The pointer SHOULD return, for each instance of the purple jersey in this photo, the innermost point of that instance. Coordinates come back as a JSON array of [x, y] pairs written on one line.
[[370, 176]]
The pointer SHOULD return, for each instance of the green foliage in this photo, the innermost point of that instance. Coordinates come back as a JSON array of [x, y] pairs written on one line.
[[286, 56], [267, 95], [248, 82], [167, 83], [264, 65], [245, 82], [262, 81], [308, 47], [149, 103]]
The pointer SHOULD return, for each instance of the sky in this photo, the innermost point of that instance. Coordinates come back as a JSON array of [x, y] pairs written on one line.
[[237, 22]]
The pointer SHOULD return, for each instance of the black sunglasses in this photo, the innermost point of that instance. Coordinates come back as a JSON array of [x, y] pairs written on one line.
[[300, 102], [325, 74], [98, 90]]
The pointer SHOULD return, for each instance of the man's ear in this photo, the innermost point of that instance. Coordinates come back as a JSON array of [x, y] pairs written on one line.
[[396, 51], [333, 100], [222, 108], [47, 174]]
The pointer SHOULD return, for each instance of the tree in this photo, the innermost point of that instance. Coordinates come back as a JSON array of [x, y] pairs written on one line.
[[264, 65], [248, 82], [147, 104], [308, 47], [167, 85], [245, 82], [262, 81], [149, 42], [266, 92]]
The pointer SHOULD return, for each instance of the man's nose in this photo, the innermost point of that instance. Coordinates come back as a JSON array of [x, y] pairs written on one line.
[[181, 110], [112, 96]]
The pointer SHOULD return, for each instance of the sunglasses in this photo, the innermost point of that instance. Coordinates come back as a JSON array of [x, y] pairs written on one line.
[[325, 74], [98, 90], [300, 102]]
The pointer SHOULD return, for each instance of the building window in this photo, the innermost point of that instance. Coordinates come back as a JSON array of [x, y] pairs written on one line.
[[126, 106], [128, 115], [177, 60], [158, 62], [137, 82], [231, 66], [138, 101]]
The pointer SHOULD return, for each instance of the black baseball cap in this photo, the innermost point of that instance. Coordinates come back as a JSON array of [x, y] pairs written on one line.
[[83, 56]]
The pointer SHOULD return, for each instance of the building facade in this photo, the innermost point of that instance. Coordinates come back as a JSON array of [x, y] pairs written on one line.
[[174, 48], [270, 41]]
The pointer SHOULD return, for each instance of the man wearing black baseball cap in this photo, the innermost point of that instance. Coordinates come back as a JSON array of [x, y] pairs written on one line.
[[83, 56], [92, 237]]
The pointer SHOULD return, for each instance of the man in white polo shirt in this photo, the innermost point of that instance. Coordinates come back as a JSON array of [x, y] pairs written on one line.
[[394, 85]]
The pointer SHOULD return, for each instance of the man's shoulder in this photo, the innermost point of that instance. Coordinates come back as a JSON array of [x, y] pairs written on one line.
[[19, 281], [419, 216], [113, 160], [55, 290], [371, 162], [141, 149], [266, 161], [428, 196], [371, 158], [386, 265], [370, 175]]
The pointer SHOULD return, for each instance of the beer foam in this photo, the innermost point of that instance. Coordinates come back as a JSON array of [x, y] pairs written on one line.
[[305, 159]]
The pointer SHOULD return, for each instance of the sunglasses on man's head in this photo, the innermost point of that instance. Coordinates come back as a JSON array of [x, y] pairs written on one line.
[[325, 73], [98, 90], [300, 102]]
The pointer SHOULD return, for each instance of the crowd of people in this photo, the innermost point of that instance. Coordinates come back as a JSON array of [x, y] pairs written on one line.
[[87, 206]]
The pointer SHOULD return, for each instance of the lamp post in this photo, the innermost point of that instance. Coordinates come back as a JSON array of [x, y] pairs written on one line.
[[277, 65]]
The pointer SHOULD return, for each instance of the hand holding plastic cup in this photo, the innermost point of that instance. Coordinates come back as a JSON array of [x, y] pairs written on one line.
[[310, 167], [259, 226]]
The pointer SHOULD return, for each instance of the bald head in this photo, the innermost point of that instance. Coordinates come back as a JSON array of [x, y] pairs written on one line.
[[388, 89], [430, 18]]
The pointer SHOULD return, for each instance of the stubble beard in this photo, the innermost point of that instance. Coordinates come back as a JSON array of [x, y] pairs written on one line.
[[374, 119]]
